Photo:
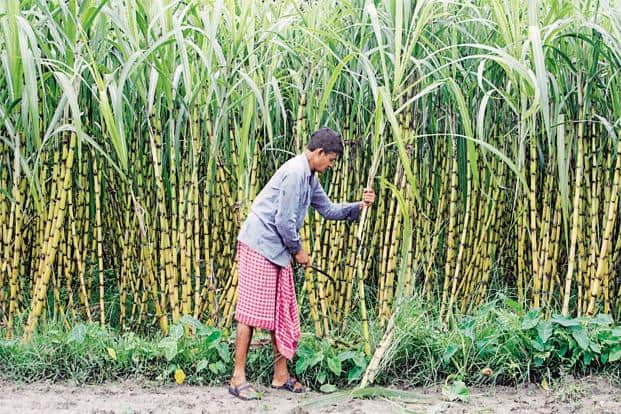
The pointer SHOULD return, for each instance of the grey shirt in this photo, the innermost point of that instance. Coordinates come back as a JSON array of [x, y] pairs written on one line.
[[277, 214]]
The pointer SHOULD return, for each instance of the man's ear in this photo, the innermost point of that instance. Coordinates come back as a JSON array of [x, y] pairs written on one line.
[[320, 151]]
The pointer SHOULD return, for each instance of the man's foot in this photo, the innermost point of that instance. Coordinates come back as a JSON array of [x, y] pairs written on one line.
[[244, 392], [291, 384]]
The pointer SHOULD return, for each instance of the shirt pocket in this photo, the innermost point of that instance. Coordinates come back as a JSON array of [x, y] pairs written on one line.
[[306, 197]]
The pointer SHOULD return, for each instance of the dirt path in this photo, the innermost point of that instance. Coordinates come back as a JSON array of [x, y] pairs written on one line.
[[590, 395]]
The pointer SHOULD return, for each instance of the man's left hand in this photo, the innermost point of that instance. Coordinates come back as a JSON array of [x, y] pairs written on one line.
[[368, 197]]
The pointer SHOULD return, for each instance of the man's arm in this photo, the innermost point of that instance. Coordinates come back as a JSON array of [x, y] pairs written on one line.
[[333, 211]]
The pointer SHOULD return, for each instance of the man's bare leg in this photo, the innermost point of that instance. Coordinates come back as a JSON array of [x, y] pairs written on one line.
[[281, 373], [242, 343]]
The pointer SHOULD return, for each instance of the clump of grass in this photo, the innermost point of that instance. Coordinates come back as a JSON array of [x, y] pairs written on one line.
[[500, 343]]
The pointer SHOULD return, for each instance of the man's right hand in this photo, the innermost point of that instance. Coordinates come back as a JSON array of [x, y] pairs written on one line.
[[302, 258]]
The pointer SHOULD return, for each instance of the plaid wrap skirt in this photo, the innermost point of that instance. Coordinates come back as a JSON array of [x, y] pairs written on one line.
[[266, 298]]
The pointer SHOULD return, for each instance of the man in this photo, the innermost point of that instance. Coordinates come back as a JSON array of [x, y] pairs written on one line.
[[267, 240]]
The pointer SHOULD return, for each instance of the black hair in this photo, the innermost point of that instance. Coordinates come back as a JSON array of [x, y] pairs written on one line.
[[328, 140]]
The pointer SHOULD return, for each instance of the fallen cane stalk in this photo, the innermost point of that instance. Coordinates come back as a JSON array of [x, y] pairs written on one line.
[[373, 368]]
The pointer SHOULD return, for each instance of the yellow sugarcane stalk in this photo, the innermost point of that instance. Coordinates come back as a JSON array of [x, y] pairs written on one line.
[[610, 222], [462, 245], [16, 221], [59, 217], [99, 236], [532, 197], [571, 264], [452, 228]]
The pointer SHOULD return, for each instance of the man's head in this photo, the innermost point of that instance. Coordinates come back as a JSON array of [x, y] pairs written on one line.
[[324, 147]]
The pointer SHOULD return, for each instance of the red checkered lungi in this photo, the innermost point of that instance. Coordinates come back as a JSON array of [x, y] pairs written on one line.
[[266, 298]]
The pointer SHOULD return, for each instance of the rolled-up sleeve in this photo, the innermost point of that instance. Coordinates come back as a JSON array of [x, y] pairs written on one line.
[[287, 205], [333, 211]]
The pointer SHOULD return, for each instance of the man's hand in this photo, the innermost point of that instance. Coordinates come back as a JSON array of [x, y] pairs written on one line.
[[368, 197], [302, 258]]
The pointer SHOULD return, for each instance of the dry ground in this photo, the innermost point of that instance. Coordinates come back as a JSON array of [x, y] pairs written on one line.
[[587, 395]]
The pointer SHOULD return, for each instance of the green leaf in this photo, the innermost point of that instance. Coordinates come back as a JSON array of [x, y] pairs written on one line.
[[562, 350], [321, 377], [317, 358], [564, 321], [176, 332], [327, 388], [595, 348], [615, 354], [301, 364], [346, 355], [212, 339], [77, 334], [581, 338], [456, 391], [513, 305], [360, 360], [189, 320], [217, 367], [170, 369], [202, 365], [544, 331], [169, 345], [537, 345], [601, 320], [450, 351], [531, 319], [89, 15], [223, 352], [334, 364], [354, 374], [534, 37]]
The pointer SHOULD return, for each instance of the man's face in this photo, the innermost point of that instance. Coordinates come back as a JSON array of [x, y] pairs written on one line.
[[325, 160]]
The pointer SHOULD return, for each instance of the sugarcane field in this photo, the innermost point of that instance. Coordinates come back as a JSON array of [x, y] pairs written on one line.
[[309, 206]]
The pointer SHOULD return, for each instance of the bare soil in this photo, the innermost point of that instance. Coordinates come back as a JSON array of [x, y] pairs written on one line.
[[586, 395]]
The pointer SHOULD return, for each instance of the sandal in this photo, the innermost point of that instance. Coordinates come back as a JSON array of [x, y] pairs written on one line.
[[289, 385], [237, 392]]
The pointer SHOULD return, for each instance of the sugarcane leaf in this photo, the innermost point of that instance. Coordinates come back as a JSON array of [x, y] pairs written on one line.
[[468, 132], [330, 86], [541, 74], [90, 13]]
